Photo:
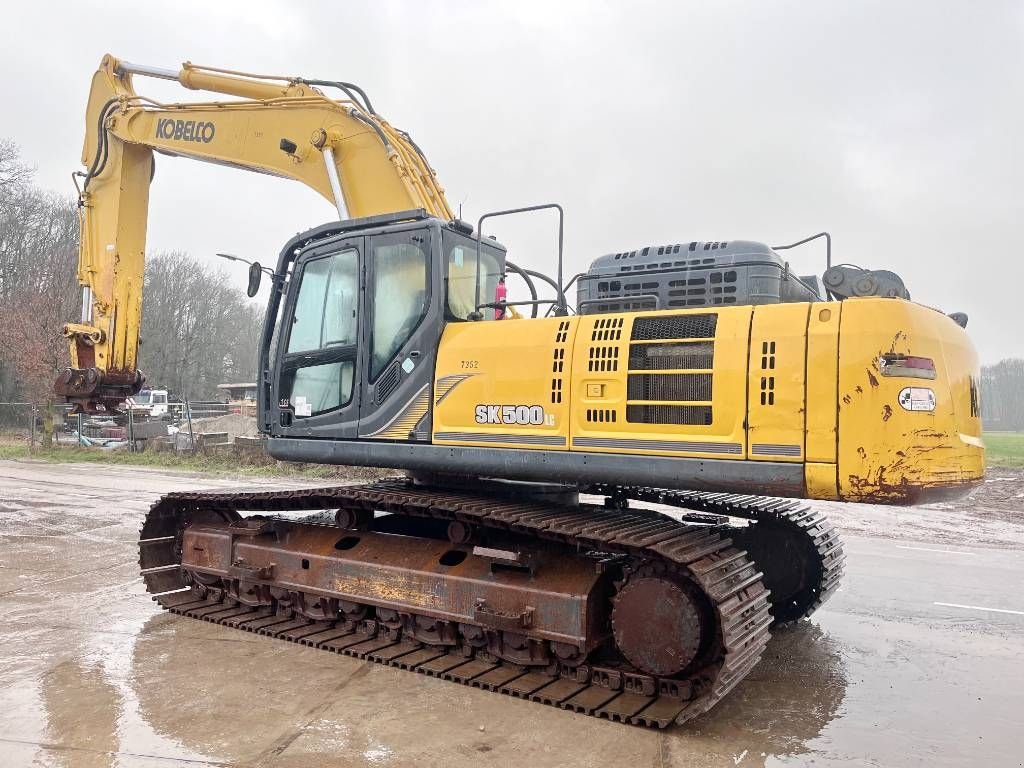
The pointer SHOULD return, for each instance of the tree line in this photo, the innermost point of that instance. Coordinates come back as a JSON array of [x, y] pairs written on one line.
[[1002, 395], [197, 332]]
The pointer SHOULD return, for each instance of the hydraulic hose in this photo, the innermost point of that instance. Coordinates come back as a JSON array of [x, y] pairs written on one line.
[[525, 274], [99, 162]]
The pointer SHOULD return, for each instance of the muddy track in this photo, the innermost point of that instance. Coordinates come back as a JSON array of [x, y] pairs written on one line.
[[815, 538], [704, 553]]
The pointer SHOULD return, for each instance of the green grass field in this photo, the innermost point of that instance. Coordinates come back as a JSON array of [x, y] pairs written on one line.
[[1005, 449], [216, 463]]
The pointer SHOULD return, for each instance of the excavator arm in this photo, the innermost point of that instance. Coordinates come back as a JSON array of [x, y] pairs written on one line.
[[283, 126]]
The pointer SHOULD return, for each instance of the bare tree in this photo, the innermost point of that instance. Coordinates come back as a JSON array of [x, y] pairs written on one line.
[[38, 285], [196, 331], [13, 172]]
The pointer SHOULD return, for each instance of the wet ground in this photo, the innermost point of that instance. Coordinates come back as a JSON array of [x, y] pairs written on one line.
[[918, 660]]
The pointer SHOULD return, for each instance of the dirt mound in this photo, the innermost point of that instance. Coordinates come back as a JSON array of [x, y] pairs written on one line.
[[234, 424]]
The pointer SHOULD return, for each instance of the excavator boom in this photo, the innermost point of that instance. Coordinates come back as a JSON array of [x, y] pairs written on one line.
[[282, 126]]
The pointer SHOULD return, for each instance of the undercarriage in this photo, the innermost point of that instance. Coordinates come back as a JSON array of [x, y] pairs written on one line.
[[638, 614]]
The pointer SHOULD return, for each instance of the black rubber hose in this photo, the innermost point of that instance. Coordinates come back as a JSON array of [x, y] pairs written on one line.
[[367, 121], [347, 88], [559, 302], [416, 146], [105, 134], [523, 273], [99, 162]]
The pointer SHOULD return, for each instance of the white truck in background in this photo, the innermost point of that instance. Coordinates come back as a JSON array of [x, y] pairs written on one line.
[[150, 402]]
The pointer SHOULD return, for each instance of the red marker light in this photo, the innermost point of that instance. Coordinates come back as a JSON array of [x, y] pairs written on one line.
[[907, 366]]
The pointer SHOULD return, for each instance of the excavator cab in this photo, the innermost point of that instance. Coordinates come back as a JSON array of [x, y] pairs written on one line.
[[355, 322]]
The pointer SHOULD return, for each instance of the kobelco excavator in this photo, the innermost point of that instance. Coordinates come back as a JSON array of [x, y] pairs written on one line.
[[603, 502]]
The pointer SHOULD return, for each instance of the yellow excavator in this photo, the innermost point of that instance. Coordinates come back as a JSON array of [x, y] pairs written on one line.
[[603, 503]]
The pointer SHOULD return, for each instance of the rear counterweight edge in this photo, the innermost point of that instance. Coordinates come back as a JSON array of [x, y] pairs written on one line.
[[572, 467]]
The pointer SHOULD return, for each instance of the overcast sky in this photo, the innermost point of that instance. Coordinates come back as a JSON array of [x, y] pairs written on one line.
[[896, 126]]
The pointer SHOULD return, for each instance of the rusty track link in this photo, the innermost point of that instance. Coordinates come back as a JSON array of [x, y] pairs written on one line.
[[797, 519], [728, 578]]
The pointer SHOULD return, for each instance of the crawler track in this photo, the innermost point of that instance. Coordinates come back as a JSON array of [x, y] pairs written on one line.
[[703, 551], [785, 531]]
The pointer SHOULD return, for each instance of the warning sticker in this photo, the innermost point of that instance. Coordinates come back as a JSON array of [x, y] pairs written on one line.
[[917, 399], [302, 406]]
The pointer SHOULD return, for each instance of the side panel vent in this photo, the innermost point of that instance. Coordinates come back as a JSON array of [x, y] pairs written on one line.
[[558, 361], [661, 386], [601, 415], [674, 327], [767, 364], [664, 357], [669, 414], [388, 382], [603, 359], [607, 329]]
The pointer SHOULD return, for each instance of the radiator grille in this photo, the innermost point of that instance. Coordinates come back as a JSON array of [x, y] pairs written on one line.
[[671, 386], [663, 357], [669, 414], [674, 327]]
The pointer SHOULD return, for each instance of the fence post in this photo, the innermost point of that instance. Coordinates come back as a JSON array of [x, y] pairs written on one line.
[[79, 429], [32, 427], [131, 431], [191, 437]]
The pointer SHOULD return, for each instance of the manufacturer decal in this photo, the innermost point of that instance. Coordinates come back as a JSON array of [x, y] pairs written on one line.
[[523, 415], [917, 399], [185, 130]]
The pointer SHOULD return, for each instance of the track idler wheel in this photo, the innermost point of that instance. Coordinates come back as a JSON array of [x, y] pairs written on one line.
[[659, 623]]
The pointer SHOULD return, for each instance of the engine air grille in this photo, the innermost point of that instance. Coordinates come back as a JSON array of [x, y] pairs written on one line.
[[669, 414], [674, 327], [671, 386], [664, 357]]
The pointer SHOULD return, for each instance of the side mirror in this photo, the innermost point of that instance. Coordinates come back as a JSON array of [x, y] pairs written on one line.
[[255, 276]]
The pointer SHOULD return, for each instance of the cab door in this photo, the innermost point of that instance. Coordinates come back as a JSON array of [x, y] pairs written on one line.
[[404, 317], [320, 354]]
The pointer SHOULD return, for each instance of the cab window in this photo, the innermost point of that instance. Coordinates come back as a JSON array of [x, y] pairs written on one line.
[[320, 359], [460, 253], [399, 295], [325, 309]]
